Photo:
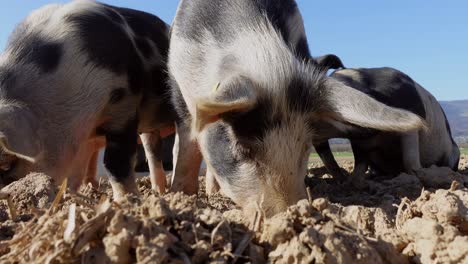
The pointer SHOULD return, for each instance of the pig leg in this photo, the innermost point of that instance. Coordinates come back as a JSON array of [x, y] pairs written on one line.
[[92, 169], [96, 144], [212, 186], [187, 160], [152, 144], [410, 152], [119, 160], [360, 167], [77, 171], [326, 155]]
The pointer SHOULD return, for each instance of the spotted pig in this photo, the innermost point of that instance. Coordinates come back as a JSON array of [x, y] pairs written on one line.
[[249, 100], [79, 76]]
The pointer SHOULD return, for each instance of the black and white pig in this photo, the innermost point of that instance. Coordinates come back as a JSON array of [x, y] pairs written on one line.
[[77, 76], [391, 153], [325, 63], [251, 98]]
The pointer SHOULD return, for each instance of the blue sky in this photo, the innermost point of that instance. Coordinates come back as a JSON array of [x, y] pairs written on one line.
[[427, 39]]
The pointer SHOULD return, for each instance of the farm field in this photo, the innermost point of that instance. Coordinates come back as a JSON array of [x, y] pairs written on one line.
[[399, 220], [464, 151]]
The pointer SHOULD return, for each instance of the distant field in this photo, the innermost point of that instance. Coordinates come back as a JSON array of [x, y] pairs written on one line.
[[336, 154], [350, 154]]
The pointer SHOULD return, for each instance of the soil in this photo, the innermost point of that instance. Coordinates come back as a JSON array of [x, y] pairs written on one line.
[[419, 218]]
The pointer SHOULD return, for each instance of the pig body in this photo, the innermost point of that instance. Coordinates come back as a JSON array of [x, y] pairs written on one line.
[[393, 153], [250, 98], [80, 73]]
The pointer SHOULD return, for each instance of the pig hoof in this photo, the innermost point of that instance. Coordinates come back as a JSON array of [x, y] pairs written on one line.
[[212, 187], [120, 191], [189, 190], [158, 189]]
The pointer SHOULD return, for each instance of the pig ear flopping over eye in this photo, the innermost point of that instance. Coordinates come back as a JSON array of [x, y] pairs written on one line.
[[346, 104], [7, 149], [233, 95], [18, 134]]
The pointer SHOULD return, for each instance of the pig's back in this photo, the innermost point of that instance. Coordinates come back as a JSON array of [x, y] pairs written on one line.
[[77, 54]]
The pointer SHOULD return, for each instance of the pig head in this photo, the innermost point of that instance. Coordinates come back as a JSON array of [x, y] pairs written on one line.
[[252, 104]]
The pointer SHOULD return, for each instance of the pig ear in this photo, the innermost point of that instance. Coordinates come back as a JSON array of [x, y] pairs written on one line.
[[348, 105], [18, 133], [235, 94], [329, 61]]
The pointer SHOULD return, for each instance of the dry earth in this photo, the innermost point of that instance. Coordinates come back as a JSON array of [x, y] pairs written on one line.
[[407, 219]]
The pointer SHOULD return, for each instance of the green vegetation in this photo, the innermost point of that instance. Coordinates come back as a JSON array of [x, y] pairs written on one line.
[[463, 151]]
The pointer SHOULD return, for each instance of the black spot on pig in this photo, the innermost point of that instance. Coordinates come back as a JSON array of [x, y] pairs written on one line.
[[46, 56], [35, 49], [108, 45], [106, 42], [253, 124], [301, 97], [221, 158], [145, 25]]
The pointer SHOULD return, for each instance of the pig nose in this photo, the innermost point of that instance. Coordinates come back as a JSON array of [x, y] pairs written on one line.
[[5, 167], [7, 163]]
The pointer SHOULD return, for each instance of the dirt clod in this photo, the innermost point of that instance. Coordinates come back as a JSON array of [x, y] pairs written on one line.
[[36, 190], [420, 218]]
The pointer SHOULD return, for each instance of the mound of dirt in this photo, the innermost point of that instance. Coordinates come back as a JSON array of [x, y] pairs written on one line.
[[422, 219], [36, 190]]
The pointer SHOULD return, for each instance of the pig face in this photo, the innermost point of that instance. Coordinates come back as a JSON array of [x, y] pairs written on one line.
[[257, 144]]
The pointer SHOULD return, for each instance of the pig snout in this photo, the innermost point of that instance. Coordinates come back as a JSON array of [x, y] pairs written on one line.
[[256, 175], [7, 165]]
